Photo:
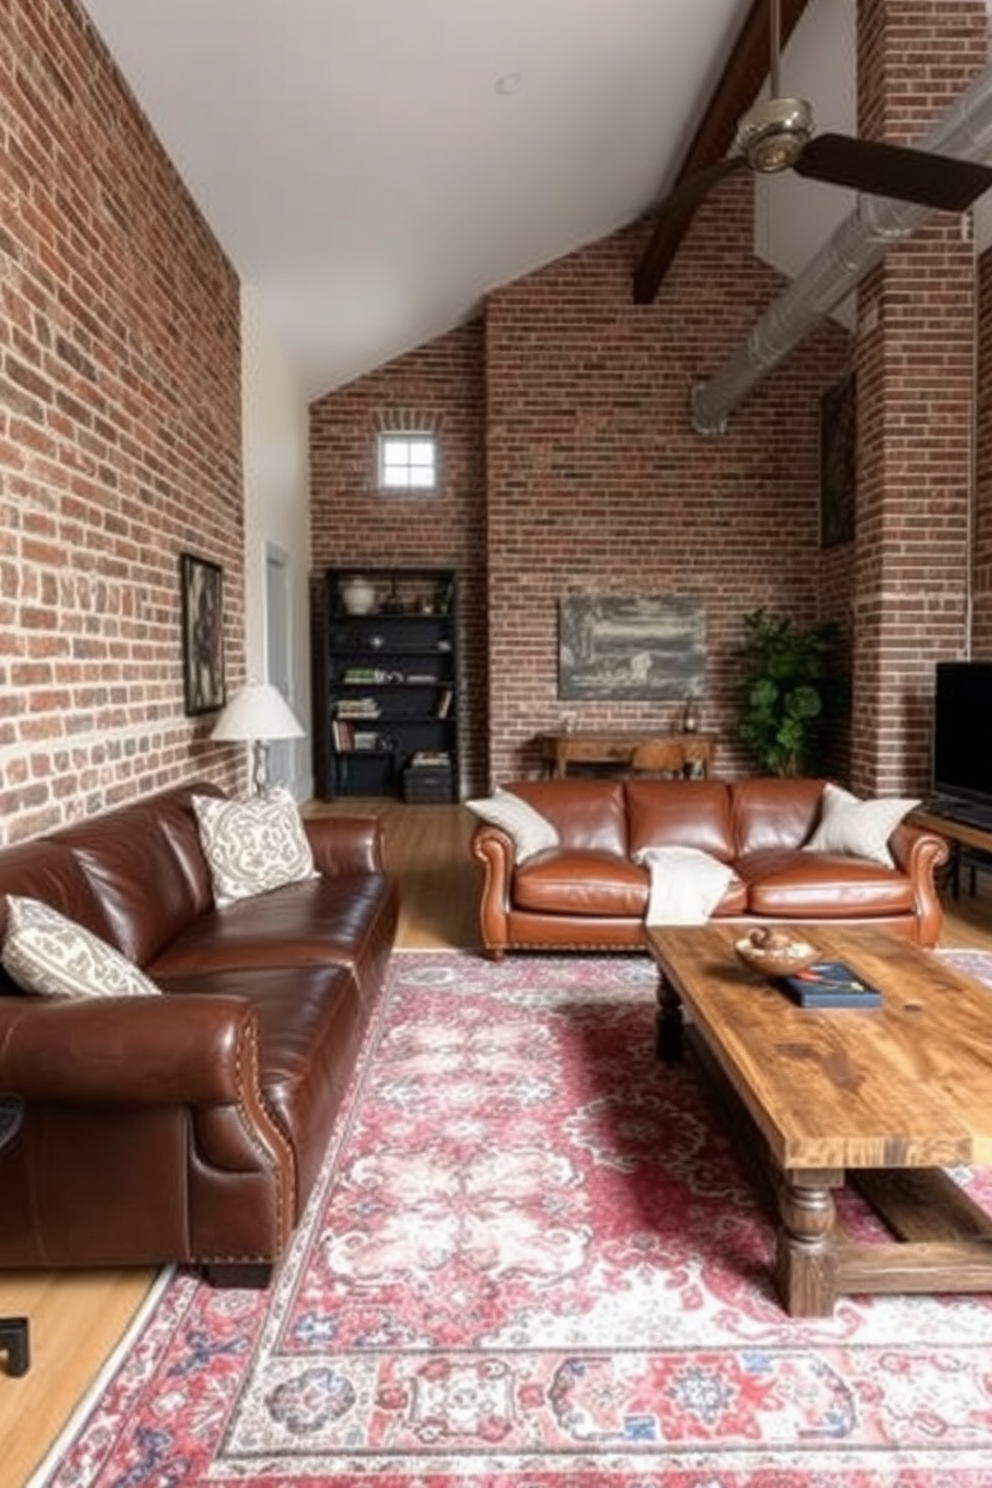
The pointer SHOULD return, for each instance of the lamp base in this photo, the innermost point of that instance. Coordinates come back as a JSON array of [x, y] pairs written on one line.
[[260, 767]]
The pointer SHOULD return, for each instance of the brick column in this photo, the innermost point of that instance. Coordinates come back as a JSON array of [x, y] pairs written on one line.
[[916, 395]]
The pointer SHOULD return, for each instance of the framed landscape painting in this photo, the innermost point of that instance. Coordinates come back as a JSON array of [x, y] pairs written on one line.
[[201, 586], [638, 647]]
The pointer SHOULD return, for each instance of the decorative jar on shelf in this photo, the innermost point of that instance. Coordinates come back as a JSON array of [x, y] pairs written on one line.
[[357, 595]]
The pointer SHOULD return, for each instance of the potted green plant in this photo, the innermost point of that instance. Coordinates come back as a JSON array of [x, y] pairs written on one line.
[[792, 694]]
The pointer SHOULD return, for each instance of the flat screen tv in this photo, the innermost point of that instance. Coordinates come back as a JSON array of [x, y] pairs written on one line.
[[962, 731]]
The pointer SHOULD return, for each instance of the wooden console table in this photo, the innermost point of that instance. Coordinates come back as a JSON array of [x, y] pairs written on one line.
[[558, 751]]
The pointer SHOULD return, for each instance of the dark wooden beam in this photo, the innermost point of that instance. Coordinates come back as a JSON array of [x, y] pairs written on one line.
[[742, 79]]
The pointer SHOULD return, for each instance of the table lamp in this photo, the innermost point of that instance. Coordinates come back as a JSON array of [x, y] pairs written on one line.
[[256, 715]]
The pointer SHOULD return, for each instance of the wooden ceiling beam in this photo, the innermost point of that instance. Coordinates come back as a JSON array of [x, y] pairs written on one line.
[[743, 77]]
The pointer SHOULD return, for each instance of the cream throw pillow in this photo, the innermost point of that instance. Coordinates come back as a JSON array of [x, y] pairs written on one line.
[[47, 953], [252, 846], [531, 832], [861, 828]]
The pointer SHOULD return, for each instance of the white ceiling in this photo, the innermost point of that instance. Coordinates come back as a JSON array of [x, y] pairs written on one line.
[[365, 173]]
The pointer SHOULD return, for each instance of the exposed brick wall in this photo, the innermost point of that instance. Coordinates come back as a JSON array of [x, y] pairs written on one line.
[[597, 482], [579, 472], [916, 361], [119, 434], [120, 446], [439, 386]]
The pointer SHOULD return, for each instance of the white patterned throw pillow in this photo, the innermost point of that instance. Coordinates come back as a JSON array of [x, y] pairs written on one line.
[[531, 832], [47, 953], [862, 828], [252, 846]]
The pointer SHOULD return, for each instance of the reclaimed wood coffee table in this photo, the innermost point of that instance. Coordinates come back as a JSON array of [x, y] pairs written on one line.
[[884, 1097]]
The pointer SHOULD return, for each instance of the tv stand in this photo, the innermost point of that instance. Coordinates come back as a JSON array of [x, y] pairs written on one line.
[[963, 813]]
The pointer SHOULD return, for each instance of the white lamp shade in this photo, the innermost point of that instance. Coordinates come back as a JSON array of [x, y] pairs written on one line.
[[258, 711]]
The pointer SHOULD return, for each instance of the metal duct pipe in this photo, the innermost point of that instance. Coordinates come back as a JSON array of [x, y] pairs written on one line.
[[858, 244]]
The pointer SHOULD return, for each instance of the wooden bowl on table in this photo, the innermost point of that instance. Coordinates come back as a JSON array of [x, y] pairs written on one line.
[[775, 953]]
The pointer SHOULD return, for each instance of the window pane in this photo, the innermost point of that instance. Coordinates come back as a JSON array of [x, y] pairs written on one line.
[[407, 462]]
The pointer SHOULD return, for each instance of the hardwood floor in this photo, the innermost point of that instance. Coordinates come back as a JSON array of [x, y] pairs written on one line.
[[77, 1319]]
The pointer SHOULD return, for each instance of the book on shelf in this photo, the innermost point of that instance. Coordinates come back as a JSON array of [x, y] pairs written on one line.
[[431, 759], [830, 984], [347, 739], [356, 708], [444, 703]]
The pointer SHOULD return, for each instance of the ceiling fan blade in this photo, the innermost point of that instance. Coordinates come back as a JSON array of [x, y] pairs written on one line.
[[696, 186], [940, 181]]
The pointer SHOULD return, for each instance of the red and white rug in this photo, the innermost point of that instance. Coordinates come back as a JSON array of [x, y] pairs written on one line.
[[533, 1260]]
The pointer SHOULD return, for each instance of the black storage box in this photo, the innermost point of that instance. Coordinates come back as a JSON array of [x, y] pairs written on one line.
[[427, 783]]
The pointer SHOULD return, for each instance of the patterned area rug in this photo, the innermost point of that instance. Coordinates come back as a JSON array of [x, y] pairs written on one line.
[[533, 1259]]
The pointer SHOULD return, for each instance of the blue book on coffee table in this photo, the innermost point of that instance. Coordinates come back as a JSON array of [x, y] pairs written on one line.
[[830, 984]]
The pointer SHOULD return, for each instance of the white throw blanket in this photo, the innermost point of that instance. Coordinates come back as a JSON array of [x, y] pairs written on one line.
[[686, 884]]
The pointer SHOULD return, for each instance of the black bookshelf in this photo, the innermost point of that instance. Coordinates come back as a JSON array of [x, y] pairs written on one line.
[[390, 689]]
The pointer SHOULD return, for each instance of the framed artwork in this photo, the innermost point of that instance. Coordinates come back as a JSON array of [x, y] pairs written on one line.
[[838, 470], [613, 647], [201, 585]]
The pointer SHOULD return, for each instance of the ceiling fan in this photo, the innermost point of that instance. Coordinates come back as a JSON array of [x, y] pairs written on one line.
[[776, 135]]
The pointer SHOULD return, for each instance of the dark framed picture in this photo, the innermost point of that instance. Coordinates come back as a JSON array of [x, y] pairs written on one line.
[[838, 468], [642, 646], [201, 585]]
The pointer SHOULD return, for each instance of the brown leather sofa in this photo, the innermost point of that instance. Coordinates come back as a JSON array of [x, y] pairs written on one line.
[[188, 1127], [588, 894]]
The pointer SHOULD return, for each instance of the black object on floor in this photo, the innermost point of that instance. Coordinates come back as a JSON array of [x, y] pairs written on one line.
[[14, 1342], [13, 1330]]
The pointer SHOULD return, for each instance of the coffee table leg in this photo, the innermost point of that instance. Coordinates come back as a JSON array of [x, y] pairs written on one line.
[[668, 1031], [807, 1262]]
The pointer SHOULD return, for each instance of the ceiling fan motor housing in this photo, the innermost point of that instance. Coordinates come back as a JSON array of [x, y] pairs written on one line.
[[774, 134]]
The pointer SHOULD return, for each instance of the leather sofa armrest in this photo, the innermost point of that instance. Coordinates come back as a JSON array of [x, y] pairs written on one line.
[[127, 1050], [915, 849], [919, 853], [345, 844], [494, 849]]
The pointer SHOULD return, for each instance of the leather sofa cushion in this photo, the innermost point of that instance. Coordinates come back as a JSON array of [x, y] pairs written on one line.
[[774, 812], [681, 813], [127, 851], [581, 883], [796, 884], [587, 814], [178, 823], [317, 922], [734, 900]]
